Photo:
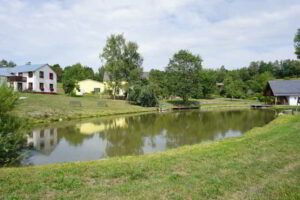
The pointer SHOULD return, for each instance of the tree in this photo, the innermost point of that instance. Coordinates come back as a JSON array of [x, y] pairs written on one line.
[[69, 85], [74, 73], [99, 76], [5, 63], [142, 95], [122, 61], [234, 88], [158, 80], [208, 82], [183, 73], [297, 43], [11, 138], [59, 71]]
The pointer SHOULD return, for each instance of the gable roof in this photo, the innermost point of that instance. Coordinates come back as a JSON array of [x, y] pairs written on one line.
[[285, 87], [27, 68], [90, 80], [145, 75], [21, 68], [106, 78]]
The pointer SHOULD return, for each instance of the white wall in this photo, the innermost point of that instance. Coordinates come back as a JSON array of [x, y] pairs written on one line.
[[3, 80], [36, 80], [293, 100], [88, 86]]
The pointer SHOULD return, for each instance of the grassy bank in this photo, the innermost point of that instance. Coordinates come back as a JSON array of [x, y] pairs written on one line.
[[46, 108], [263, 164], [41, 108], [214, 104]]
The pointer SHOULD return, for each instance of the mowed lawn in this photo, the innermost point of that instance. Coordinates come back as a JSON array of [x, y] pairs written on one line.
[[263, 164], [43, 107]]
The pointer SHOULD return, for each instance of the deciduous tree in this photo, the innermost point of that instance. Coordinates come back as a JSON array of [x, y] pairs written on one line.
[[122, 61], [183, 73], [297, 43]]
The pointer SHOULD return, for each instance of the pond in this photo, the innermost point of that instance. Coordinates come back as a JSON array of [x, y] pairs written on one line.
[[135, 135]]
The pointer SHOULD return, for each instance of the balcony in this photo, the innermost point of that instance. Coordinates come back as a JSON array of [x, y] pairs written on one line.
[[16, 79]]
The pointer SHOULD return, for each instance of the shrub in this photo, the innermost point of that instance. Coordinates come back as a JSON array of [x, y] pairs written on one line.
[[147, 97], [11, 139], [69, 86], [142, 95]]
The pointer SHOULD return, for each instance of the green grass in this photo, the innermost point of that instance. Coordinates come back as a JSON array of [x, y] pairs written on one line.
[[46, 108], [218, 103], [263, 164], [226, 104]]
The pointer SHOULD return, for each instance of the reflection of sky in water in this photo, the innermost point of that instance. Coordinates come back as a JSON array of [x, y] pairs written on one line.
[[140, 134], [91, 149], [155, 144], [227, 134]]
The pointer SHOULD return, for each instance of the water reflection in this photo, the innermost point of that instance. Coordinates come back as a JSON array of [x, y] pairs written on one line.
[[43, 140], [95, 139]]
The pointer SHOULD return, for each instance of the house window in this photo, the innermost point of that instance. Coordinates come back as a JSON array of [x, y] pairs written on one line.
[[51, 132], [42, 133], [20, 74], [41, 74], [97, 90], [30, 86], [51, 87], [30, 74], [51, 76], [42, 86], [42, 145]]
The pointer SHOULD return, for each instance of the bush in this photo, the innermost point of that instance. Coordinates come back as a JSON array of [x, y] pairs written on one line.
[[142, 95], [69, 86], [11, 139], [147, 97]]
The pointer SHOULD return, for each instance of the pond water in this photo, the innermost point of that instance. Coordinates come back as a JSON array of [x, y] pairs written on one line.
[[135, 135]]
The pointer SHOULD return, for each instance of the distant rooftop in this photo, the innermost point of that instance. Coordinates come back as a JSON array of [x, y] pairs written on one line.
[[21, 68], [144, 75], [285, 87]]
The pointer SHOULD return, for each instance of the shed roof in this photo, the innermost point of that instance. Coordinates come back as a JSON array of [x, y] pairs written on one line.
[[285, 87]]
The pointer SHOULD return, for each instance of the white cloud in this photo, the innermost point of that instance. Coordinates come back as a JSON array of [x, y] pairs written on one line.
[[226, 32]]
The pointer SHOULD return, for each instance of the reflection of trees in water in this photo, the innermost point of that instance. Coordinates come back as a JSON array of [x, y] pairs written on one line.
[[196, 127], [72, 135], [124, 140], [127, 135], [180, 128]]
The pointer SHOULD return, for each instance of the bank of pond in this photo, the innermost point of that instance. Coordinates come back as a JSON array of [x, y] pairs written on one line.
[[93, 139]]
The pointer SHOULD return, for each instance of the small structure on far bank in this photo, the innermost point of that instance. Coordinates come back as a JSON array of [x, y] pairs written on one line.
[[286, 92], [90, 86]]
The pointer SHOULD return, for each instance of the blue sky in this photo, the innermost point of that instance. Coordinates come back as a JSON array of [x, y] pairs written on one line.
[[223, 32]]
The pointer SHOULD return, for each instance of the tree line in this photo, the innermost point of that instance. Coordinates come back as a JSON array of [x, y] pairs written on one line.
[[184, 76]]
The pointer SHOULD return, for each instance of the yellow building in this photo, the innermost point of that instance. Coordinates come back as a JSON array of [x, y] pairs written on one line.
[[90, 86]]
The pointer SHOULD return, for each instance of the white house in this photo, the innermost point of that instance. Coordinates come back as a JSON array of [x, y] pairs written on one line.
[[31, 77], [286, 92]]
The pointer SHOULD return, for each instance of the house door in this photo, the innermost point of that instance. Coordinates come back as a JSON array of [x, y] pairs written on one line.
[[20, 87]]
